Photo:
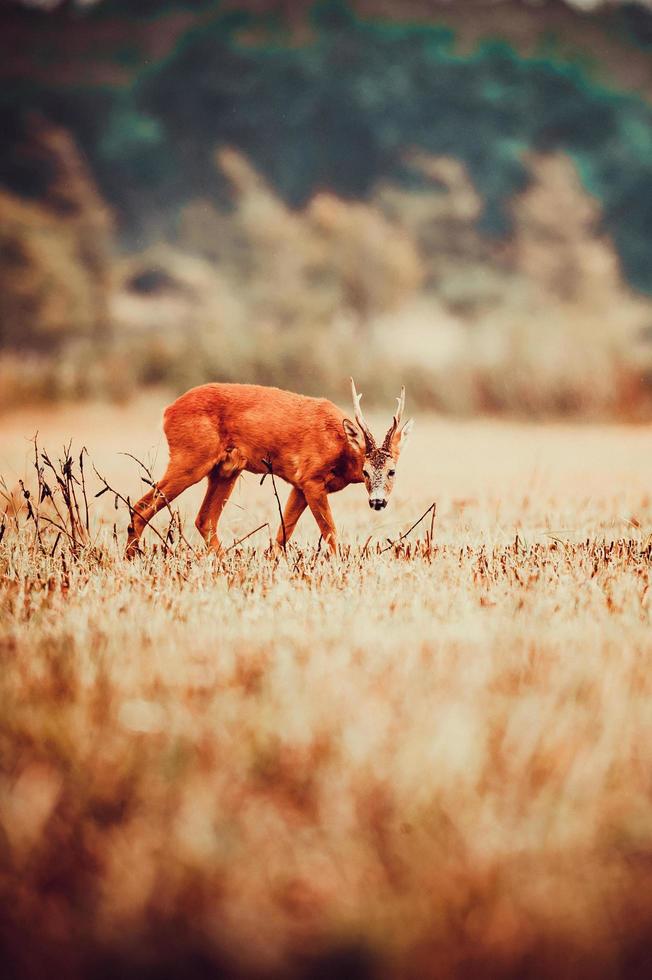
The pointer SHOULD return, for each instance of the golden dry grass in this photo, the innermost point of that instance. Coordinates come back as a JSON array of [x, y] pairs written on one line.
[[431, 762]]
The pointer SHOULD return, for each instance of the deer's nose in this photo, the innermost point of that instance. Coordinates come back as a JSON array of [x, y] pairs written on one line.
[[377, 504]]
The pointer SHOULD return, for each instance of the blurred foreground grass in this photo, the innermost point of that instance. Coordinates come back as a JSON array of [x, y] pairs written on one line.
[[431, 762]]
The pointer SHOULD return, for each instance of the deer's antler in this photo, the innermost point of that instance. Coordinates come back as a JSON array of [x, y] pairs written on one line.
[[396, 421], [360, 419]]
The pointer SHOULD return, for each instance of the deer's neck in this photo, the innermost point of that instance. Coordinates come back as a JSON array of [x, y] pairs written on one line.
[[347, 469], [355, 466]]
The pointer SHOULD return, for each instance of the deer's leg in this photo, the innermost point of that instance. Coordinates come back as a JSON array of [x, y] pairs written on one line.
[[294, 508], [317, 500], [176, 479], [218, 492]]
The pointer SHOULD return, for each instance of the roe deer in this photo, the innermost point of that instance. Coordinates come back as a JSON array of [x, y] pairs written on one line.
[[219, 430]]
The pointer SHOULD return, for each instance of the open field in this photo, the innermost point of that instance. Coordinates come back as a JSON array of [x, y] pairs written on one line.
[[430, 762]]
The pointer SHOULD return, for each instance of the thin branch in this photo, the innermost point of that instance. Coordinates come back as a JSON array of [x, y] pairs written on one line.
[[432, 509], [150, 482], [60, 528], [240, 540], [83, 484], [270, 470], [317, 551], [10, 501], [71, 480], [130, 507], [32, 514], [46, 493]]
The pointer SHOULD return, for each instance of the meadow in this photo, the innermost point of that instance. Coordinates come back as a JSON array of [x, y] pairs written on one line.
[[427, 757]]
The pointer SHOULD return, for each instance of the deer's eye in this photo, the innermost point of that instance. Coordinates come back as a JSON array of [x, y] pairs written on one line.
[[365, 473], [391, 472]]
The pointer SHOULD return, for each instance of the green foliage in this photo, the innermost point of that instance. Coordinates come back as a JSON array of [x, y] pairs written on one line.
[[340, 111]]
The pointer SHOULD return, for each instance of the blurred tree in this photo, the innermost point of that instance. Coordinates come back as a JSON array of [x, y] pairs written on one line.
[[338, 112], [55, 251]]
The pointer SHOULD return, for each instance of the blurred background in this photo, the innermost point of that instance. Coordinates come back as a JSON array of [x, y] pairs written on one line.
[[453, 195]]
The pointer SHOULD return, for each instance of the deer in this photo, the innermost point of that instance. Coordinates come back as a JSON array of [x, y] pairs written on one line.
[[218, 431]]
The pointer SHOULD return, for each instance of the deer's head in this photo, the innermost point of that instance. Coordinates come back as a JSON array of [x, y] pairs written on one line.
[[379, 462]]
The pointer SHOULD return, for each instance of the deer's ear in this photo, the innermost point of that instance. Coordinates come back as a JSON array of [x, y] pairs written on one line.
[[353, 434], [398, 439]]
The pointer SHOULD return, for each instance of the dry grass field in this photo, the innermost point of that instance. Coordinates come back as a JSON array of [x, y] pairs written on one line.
[[428, 761]]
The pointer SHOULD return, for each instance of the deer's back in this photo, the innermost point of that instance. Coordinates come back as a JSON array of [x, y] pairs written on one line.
[[296, 432]]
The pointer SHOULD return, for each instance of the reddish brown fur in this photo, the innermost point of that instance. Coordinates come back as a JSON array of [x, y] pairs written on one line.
[[219, 430]]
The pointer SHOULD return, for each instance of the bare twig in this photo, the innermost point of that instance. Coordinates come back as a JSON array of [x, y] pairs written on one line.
[[432, 509], [10, 502], [75, 528], [317, 551], [174, 515], [83, 484], [32, 514], [60, 528], [45, 492], [240, 540], [71, 480], [61, 493], [107, 488], [270, 470]]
